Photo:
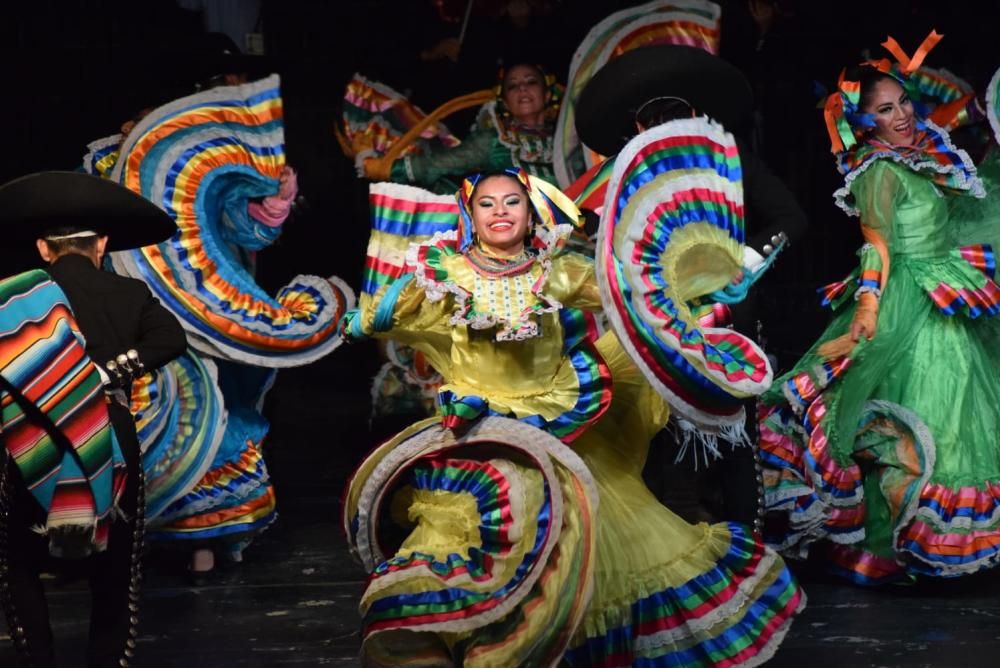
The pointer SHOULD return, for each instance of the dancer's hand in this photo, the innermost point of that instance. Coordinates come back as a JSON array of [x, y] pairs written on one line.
[[288, 184], [865, 318], [273, 210], [377, 169], [862, 327]]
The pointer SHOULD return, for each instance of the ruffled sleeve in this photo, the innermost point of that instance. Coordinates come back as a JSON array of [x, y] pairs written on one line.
[[402, 312], [573, 282], [876, 195]]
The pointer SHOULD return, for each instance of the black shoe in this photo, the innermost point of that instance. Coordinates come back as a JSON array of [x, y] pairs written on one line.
[[201, 578]]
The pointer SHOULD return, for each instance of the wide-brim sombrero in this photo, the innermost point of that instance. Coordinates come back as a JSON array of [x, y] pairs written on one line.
[[605, 112], [215, 55], [32, 204]]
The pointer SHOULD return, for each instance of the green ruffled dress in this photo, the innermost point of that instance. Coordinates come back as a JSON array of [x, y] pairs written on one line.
[[889, 457]]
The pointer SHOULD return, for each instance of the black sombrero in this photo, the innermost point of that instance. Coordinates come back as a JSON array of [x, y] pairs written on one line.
[[33, 204], [216, 54], [605, 112]]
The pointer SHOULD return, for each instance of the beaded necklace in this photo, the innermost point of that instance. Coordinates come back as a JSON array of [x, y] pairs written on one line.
[[491, 265]]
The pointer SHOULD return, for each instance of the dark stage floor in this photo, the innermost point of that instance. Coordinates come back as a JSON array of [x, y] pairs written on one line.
[[293, 600]]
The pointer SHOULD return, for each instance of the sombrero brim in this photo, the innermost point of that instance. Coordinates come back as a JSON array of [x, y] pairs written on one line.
[[217, 65], [605, 113], [32, 204]]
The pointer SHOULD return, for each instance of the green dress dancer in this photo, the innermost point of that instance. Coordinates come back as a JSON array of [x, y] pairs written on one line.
[[515, 129], [886, 454], [495, 143]]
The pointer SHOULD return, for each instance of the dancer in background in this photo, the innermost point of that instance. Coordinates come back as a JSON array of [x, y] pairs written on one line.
[[201, 421], [513, 129], [643, 88], [882, 442]]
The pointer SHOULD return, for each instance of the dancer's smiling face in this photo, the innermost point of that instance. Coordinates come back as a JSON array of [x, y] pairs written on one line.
[[892, 109], [525, 95], [501, 215]]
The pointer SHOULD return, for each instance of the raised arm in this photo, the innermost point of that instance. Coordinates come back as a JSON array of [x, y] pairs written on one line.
[[472, 155], [399, 311]]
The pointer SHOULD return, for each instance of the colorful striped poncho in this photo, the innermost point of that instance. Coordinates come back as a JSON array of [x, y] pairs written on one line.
[[53, 416]]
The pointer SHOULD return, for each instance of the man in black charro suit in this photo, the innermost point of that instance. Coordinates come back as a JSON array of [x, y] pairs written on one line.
[[74, 219], [651, 85]]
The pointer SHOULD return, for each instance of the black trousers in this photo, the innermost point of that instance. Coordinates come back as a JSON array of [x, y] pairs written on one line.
[[727, 488], [109, 574], [724, 490]]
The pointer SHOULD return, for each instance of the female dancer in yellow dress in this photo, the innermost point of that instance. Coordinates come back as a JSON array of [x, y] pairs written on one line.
[[515, 528]]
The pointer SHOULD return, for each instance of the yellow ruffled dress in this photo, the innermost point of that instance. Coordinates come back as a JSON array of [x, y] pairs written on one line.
[[492, 543]]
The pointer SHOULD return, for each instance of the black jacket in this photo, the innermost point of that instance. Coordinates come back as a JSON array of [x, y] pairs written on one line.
[[117, 314], [770, 205]]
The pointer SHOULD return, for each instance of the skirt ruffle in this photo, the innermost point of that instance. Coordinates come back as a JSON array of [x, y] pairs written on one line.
[[735, 613], [180, 420], [963, 283], [233, 500], [668, 593], [489, 548], [886, 460], [479, 548]]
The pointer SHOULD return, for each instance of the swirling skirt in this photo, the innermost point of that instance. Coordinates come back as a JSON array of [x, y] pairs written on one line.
[[503, 546]]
